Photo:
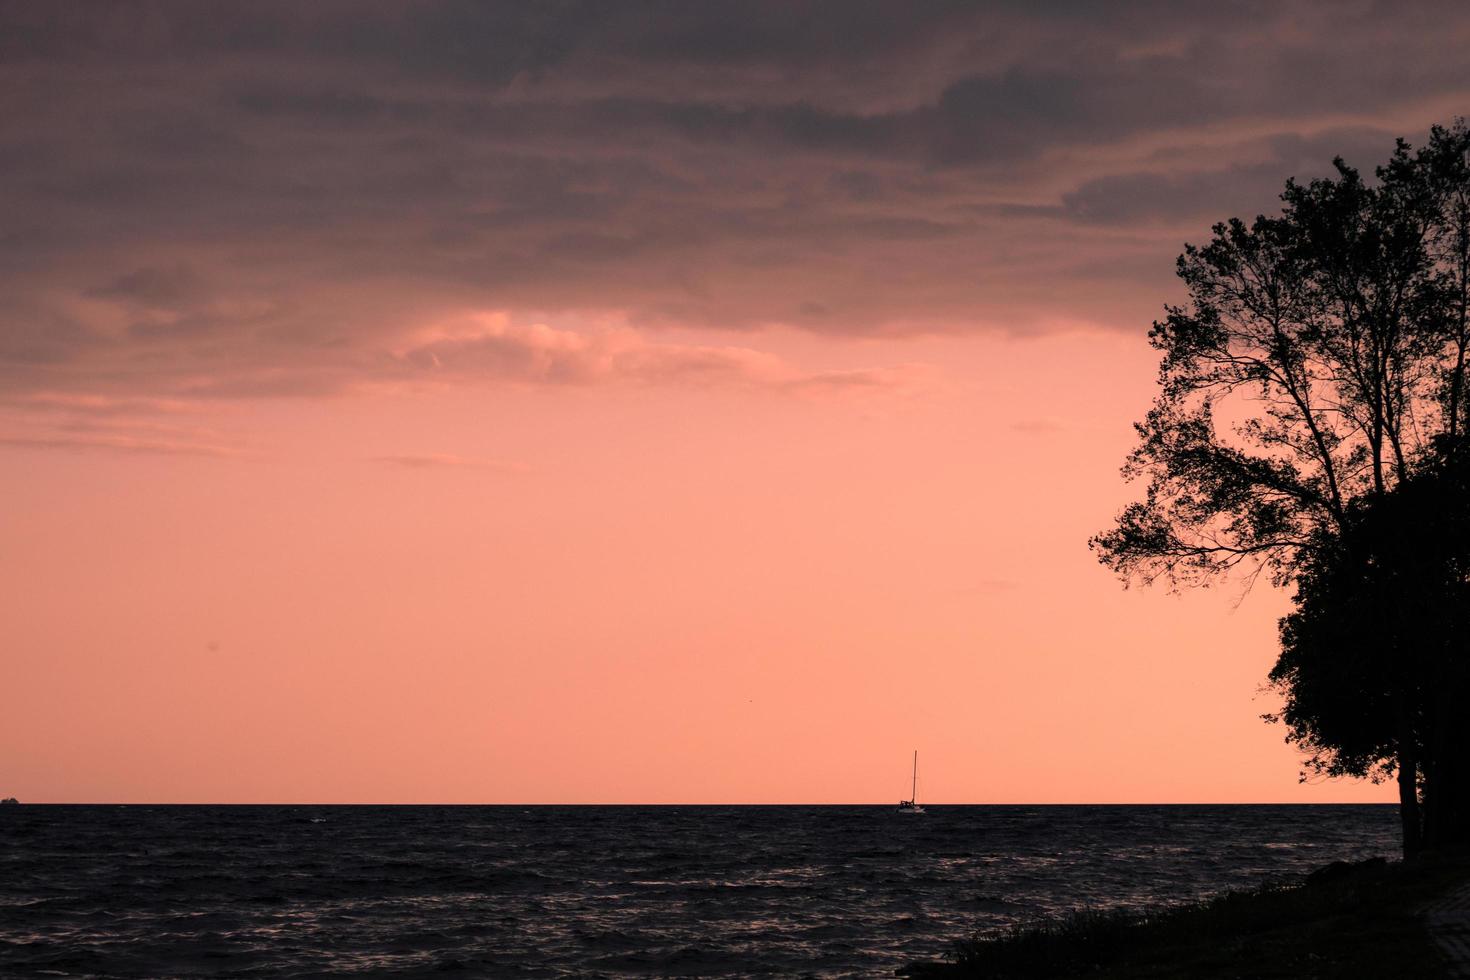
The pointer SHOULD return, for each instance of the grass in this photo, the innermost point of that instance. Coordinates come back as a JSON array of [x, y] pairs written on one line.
[[1346, 922]]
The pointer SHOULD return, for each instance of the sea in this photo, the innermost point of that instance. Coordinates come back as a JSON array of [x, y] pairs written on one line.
[[606, 891]]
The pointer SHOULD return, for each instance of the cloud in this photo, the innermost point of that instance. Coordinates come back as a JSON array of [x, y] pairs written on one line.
[[78, 403], [492, 348], [118, 443], [151, 287], [857, 381], [439, 461], [266, 200], [80, 422], [1252, 181]]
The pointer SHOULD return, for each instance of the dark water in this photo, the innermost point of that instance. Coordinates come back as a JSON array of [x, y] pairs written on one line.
[[617, 891]]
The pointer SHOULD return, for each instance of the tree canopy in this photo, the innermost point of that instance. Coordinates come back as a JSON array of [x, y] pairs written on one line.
[[1310, 424], [1321, 353]]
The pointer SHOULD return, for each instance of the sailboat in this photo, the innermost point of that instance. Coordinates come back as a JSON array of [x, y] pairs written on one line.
[[911, 805]]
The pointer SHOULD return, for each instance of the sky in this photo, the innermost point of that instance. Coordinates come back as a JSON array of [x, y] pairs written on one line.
[[647, 402]]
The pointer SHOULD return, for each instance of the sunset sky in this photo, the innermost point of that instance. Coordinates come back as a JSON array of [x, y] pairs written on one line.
[[635, 402]]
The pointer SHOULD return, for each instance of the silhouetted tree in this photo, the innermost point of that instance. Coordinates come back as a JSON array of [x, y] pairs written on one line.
[[1318, 364], [1373, 665]]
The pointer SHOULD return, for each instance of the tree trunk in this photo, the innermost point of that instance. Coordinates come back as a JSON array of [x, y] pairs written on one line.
[[1408, 780], [1446, 815]]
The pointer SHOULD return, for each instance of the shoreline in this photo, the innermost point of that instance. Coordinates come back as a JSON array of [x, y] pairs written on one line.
[[1369, 920]]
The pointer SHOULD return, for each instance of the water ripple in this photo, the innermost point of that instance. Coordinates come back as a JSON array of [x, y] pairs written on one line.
[[286, 892]]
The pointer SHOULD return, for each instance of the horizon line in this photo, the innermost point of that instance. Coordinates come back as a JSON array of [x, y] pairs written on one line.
[[698, 804]]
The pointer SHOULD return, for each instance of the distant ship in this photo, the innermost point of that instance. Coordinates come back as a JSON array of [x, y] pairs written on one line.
[[911, 805], [9, 801]]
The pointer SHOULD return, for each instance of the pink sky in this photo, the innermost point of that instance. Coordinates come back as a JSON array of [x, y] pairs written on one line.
[[677, 408], [632, 593]]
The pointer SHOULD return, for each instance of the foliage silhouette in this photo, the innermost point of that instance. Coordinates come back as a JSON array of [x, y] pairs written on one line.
[[1311, 412]]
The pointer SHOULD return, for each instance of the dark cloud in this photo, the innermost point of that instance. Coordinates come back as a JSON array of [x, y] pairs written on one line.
[[271, 199], [1199, 194], [152, 287]]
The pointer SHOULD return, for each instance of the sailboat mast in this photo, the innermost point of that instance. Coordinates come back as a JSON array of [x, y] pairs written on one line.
[[914, 789]]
